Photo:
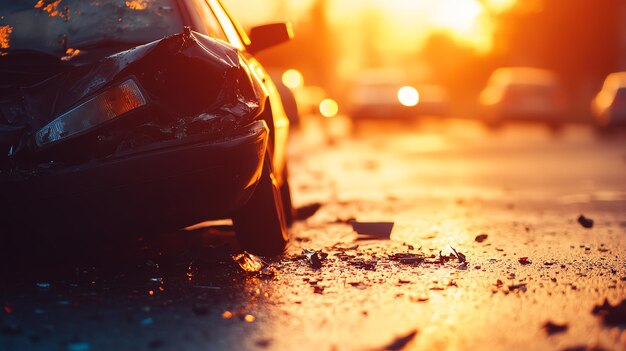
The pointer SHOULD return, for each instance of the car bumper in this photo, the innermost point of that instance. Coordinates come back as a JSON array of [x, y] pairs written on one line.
[[160, 189]]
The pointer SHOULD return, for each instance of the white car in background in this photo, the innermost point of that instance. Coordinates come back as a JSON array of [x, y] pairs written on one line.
[[609, 105], [523, 94]]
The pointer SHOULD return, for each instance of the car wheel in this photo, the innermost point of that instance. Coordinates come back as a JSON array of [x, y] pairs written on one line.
[[260, 224], [285, 194]]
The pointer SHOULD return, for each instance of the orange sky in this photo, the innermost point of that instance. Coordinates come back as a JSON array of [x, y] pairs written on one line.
[[403, 24]]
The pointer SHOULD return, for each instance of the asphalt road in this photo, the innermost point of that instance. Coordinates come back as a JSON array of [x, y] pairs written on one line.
[[526, 274]]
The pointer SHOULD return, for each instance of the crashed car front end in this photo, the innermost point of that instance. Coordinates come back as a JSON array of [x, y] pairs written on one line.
[[171, 130]]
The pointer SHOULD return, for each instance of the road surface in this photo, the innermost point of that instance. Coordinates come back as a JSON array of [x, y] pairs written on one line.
[[486, 252]]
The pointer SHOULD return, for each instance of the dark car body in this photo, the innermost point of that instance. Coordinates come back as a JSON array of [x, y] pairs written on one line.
[[104, 136]]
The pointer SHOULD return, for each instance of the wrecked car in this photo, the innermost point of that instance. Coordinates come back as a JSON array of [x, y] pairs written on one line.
[[136, 116]]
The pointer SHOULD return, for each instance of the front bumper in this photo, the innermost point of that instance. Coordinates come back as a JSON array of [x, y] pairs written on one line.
[[161, 189]]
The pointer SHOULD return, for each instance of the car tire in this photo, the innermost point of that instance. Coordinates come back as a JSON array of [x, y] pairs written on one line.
[[285, 194], [260, 225]]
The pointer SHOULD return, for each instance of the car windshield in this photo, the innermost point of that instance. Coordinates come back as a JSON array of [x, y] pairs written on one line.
[[54, 26]]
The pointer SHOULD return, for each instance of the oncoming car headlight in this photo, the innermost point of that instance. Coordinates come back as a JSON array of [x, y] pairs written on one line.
[[107, 105]]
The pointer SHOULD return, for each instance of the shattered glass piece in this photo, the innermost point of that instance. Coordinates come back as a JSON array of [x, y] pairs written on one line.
[[249, 262], [380, 230], [315, 258], [43, 285], [585, 222], [204, 117]]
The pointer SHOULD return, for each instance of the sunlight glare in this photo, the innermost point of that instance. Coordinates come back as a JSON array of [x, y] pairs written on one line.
[[458, 16]]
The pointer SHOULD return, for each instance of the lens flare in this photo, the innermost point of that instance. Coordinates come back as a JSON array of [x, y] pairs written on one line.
[[408, 96]]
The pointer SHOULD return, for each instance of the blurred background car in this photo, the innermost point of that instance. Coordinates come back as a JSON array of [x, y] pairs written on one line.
[[523, 94], [389, 94], [609, 105]]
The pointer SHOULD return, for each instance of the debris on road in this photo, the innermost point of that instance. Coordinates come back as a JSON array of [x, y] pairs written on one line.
[[380, 230], [315, 257], [480, 238], [524, 260], [401, 342], [459, 255], [611, 315], [306, 211], [249, 262], [518, 287], [585, 222], [407, 258], [552, 328], [368, 265]]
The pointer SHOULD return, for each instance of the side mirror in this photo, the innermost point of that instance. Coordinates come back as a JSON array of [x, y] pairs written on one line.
[[268, 35]]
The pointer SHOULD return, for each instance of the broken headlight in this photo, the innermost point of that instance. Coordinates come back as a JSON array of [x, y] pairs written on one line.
[[106, 106]]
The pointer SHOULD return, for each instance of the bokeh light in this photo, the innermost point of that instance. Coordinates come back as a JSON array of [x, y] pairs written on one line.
[[408, 96], [293, 78], [329, 108]]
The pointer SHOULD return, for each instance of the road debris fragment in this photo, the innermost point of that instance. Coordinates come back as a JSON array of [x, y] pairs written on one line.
[[585, 222], [480, 238], [459, 255], [611, 315], [524, 260], [306, 211], [380, 230], [315, 257], [407, 258], [518, 287], [249, 262], [552, 328], [400, 342]]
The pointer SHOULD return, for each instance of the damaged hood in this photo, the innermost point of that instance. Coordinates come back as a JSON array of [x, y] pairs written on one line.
[[187, 79]]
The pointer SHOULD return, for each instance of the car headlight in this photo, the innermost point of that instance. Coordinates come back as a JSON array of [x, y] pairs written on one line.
[[106, 106]]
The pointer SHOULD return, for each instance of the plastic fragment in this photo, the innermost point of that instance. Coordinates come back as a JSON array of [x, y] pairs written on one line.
[[380, 230], [400, 342]]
